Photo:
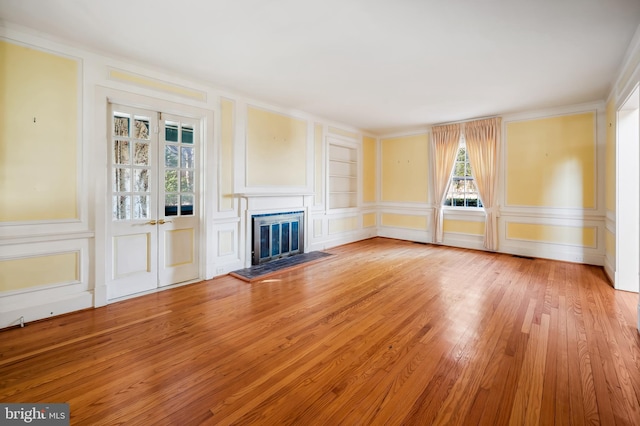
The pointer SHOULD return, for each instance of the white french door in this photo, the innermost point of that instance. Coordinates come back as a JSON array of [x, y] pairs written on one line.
[[154, 207]]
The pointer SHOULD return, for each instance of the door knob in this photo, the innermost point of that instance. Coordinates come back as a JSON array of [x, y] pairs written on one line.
[[162, 221], [151, 222]]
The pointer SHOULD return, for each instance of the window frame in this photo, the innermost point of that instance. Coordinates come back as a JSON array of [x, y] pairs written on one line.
[[462, 144]]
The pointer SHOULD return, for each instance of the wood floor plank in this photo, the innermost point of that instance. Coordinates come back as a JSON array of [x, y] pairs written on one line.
[[383, 332]]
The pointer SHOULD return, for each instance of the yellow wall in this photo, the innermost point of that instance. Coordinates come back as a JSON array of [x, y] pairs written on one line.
[[319, 164], [369, 156], [226, 155], [610, 158], [276, 149], [405, 169], [368, 220], [38, 160], [17, 274], [572, 235], [157, 85], [344, 224], [551, 162], [463, 227], [404, 221]]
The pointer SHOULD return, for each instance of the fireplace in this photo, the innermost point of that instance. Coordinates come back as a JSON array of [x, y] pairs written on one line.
[[276, 235]]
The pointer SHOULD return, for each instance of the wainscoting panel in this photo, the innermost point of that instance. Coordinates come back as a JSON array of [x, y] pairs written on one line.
[[571, 239], [43, 279]]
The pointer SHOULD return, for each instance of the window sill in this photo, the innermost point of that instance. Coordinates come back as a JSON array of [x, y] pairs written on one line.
[[464, 211]]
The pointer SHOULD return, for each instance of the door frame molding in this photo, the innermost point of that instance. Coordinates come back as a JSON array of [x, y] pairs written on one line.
[[100, 168]]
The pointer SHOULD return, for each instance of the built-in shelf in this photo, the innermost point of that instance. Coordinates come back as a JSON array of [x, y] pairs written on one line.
[[343, 176]]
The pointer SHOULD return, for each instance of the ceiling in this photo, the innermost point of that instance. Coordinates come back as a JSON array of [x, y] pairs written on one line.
[[381, 66]]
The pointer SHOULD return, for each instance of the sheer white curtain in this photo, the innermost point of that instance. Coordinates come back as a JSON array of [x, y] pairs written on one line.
[[445, 140], [482, 138]]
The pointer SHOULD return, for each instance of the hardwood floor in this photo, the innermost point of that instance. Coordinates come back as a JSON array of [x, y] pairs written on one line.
[[383, 332]]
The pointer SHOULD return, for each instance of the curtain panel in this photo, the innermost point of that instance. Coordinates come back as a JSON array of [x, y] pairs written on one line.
[[482, 139], [445, 140]]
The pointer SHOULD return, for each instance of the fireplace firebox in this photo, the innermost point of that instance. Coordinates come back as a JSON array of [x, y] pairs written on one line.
[[276, 235]]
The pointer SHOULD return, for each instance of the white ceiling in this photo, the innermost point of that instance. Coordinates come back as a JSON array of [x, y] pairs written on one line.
[[377, 65]]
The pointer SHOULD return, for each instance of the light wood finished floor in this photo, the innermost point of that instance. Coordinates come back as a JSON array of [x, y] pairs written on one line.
[[384, 332]]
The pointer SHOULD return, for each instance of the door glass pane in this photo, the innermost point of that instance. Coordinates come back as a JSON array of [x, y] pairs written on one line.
[[187, 157], [141, 129], [186, 181], [121, 126], [186, 205], [187, 134], [171, 156], [171, 205], [171, 131], [121, 180], [121, 207], [140, 206], [121, 153], [141, 180], [171, 181], [141, 154]]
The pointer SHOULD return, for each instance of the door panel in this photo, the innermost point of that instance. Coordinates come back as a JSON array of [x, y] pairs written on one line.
[[154, 208], [131, 254], [133, 235], [180, 215]]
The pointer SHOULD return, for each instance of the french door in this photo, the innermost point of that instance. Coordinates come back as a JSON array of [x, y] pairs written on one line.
[[154, 203]]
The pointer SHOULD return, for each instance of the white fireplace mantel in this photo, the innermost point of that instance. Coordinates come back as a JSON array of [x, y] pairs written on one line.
[[261, 202], [272, 194]]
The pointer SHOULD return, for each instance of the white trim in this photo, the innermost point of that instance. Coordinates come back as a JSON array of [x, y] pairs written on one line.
[[405, 234], [42, 301], [610, 222], [104, 97], [609, 269], [5, 241], [598, 106], [472, 214], [47, 309], [547, 251], [622, 89], [422, 131], [552, 213], [468, 241]]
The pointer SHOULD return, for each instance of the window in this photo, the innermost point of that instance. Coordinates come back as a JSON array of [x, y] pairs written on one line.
[[462, 190]]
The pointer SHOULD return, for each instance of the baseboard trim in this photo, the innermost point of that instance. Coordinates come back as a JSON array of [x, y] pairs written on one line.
[[59, 307]]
